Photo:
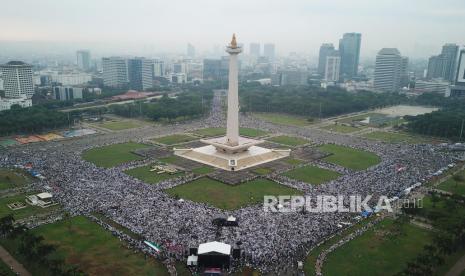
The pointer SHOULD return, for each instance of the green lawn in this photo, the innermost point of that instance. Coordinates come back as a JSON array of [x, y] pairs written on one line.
[[144, 174], [228, 197], [379, 251], [341, 128], [5, 269], [453, 187], [94, 250], [203, 170], [289, 140], [293, 161], [12, 178], [113, 155], [283, 119], [24, 212], [218, 131], [354, 159], [170, 159], [174, 139], [119, 125], [396, 137], [312, 174]]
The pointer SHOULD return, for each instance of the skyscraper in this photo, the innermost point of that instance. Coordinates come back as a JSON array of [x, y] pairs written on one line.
[[388, 70], [83, 59], [269, 51], [326, 49], [158, 68], [17, 79], [140, 73], [115, 71], [332, 67], [349, 48], [190, 50], [254, 49], [443, 65]]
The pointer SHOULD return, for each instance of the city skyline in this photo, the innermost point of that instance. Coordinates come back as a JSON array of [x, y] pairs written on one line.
[[410, 25]]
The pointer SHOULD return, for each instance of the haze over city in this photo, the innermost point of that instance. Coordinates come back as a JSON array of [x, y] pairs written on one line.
[[417, 28]]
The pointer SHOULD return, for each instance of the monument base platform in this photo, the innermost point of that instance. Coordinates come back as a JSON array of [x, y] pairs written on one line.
[[251, 157]]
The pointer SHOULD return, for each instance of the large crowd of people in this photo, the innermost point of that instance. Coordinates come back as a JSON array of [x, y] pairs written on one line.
[[270, 242]]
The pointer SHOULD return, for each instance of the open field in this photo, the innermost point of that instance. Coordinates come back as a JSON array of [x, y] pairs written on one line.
[[174, 139], [312, 174], [119, 125], [283, 119], [113, 155], [396, 137], [293, 161], [219, 131], [378, 250], [228, 197], [289, 140], [450, 185], [144, 174], [12, 179], [354, 159], [203, 170], [24, 212], [341, 128], [356, 118], [94, 250]]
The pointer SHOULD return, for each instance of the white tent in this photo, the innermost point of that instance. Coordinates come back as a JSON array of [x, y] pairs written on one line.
[[192, 260], [217, 247]]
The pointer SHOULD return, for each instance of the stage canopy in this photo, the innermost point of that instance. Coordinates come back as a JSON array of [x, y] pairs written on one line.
[[214, 247]]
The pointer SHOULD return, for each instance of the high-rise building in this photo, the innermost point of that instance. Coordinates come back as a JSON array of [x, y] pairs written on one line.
[[269, 51], [458, 89], [158, 68], [326, 49], [443, 65], [190, 50], [388, 69], [115, 71], [17, 79], [332, 66], [349, 48], [211, 69], [254, 49], [293, 77], [404, 76], [140, 74], [83, 59], [66, 93]]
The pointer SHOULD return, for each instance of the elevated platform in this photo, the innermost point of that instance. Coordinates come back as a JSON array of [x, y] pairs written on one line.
[[222, 145]]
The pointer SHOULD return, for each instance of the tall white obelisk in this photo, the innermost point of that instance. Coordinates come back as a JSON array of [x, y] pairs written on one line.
[[232, 127]]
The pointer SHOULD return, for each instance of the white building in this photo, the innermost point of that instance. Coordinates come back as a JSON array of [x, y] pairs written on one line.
[[71, 78], [17, 79], [66, 93], [178, 78], [433, 86], [332, 67], [388, 69], [7, 103], [83, 59], [115, 71], [158, 68]]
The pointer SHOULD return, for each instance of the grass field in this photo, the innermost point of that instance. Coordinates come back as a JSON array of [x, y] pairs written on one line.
[[293, 161], [341, 128], [119, 125], [203, 170], [283, 119], [354, 159], [113, 155], [396, 137], [144, 174], [453, 187], [218, 131], [5, 269], [289, 140], [379, 251], [312, 174], [12, 178], [93, 249], [228, 197], [24, 212], [174, 139]]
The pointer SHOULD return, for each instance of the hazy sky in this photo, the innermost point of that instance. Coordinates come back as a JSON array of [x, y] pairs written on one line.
[[293, 25]]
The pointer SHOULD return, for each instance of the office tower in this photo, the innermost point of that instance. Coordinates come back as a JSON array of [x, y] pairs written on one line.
[[349, 48], [269, 51], [332, 67], [158, 68], [66, 93], [388, 69], [17, 80], [190, 50], [326, 49], [179, 67], [83, 59], [115, 72], [443, 65], [211, 69], [140, 74], [293, 77], [404, 76], [254, 49], [458, 89]]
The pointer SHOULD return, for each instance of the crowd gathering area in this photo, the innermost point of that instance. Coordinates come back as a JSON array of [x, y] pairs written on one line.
[[100, 199]]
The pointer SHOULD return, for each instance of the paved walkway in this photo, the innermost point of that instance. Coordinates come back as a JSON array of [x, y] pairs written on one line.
[[11, 262], [458, 268]]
